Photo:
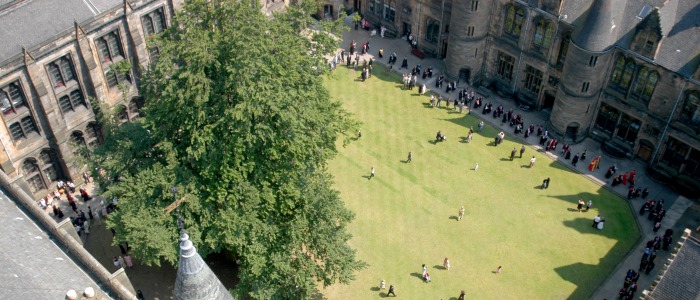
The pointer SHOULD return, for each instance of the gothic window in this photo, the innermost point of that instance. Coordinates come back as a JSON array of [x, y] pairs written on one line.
[[644, 84], [628, 129], [564, 48], [675, 152], [515, 16], [23, 128], [432, 30], [61, 71], [377, 5], [607, 118], [135, 106], [49, 165], [31, 172], [109, 47], [153, 22], [544, 31], [533, 79], [474, 5], [71, 101], [93, 136], [505, 66], [11, 98], [623, 71], [690, 114]]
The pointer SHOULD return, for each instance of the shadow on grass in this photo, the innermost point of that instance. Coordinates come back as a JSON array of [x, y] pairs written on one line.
[[417, 275], [453, 218], [374, 289], [439, 267]]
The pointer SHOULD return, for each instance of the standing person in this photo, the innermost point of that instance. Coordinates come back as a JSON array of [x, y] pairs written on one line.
[[139, 295], [90, 213], [425, 270], [86, 177], [481, 125], [86, 227], [461, 213], [545, 183], [596, 220], [410, 157], [498, 270], [371, 173], [580, 205], [392, 291], [446, 264], [583, 155], [532, 162], [589, 205], [476, 167], [574, 160], [512, 154], [127, 260], [461, 295], [115, 261], [522, 150], [122, 264]]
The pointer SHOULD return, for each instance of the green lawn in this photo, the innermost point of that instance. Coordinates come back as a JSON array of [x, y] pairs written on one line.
[[406, 215]]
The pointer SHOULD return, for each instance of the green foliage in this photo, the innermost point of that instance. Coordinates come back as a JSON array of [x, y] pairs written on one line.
[[238, 119]]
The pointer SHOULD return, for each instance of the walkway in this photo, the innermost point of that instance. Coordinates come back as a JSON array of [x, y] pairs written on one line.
[[675, 204]]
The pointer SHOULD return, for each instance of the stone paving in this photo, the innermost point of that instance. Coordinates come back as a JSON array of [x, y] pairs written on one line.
[[675, 204]]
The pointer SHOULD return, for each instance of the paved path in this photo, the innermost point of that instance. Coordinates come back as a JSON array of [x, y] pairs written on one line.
[[675, 204]]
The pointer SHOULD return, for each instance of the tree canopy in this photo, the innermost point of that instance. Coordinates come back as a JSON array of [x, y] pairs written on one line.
[[237, 118]]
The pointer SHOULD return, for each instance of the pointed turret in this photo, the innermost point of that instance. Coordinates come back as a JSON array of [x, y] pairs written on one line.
[[599, 30], [195, 281]]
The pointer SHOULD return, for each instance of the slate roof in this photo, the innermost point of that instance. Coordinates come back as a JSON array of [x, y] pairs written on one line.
[[29, 23], [680, 282], [31, 265], [679, 20], [195, 280]]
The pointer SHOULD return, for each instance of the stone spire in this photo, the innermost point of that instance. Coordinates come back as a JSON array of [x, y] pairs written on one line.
[[195, 281], [599, 30]]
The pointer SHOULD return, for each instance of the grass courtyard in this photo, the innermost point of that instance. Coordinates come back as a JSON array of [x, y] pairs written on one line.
[[407, 215]]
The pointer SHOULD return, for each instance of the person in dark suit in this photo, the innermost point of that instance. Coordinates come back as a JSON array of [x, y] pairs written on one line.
[[392, 291]]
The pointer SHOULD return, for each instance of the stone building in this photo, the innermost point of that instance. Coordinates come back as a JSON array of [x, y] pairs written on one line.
[[624, 72], [58, 60]]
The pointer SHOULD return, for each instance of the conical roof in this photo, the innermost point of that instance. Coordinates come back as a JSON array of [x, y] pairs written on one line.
[[195, 280], [599, 30]]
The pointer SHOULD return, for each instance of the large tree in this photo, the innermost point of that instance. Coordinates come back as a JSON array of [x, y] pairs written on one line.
[[237, 118]]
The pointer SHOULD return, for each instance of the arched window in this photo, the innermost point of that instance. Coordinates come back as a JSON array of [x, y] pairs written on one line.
[[544, 31], [644, 84], [48, 164], [432, 30], [93, 135], [622, 73], [514, 21], [78, 144], [31, 172]]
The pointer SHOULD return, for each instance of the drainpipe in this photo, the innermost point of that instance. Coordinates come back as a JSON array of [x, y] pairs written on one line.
[[520, 57], [442, 26], [668, 123]]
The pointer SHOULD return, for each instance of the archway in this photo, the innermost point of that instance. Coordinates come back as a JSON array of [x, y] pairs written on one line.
[[572, 130], [646, 150]]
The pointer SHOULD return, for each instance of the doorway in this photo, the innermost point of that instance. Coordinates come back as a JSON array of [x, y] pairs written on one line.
[[358, 5], [328, 12], [406, 29], [443, 51], [548, 100], [572, 131], [645, 150], [465, 75]]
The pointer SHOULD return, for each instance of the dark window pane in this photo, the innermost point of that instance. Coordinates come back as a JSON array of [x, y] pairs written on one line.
[[55, 74], [16, 131], [76, 98], [65, 104], [67, 69], [28, 124]]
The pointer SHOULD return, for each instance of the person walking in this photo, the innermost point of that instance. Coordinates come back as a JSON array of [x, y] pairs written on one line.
[[522, 150], [512, 154], [498, 270], [461, 213], [574, 160], [589, 205], [446, 264], [392, 291], [410, 157], [476, 167], [532, 162], [371, 173], [121, 262]]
